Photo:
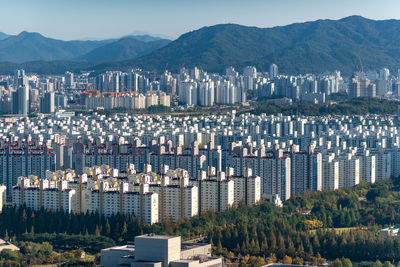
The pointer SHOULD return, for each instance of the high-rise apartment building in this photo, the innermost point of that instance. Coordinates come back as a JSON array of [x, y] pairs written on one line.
[[20, 100], [47, 103], [215, 192], [69, 80], [275, 171], [306, 171], [23, 159], [273, 71]]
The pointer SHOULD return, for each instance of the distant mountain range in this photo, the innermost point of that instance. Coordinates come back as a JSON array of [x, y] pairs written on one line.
[[127, 47], [28, 46], [349, 44]]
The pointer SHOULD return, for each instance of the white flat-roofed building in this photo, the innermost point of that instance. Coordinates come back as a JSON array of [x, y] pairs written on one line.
[[160, 251]]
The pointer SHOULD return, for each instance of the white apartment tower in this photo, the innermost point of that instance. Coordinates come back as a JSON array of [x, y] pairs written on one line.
[[247, 188], [306, 171], [215, 193], [276, 175]]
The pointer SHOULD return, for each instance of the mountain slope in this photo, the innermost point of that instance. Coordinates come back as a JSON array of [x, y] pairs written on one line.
[[125, 48], [3, 36], [348, 44], [145, 38], [34, 46]]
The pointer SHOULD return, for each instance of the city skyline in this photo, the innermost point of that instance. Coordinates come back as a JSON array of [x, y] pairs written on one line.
[[238, 133], [98, 20]]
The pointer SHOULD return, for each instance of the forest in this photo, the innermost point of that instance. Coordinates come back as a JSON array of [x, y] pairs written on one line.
[[357, 106], [310, 228]]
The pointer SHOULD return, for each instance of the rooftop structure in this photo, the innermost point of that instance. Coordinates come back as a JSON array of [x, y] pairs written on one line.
[[160, 251]]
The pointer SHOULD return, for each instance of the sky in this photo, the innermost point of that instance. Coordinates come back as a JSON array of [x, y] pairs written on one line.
[[99, 19]]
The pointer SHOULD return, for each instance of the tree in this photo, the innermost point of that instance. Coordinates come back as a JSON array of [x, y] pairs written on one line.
[[219, 249], [271, 258], [245, 260], [377, 263], [287, 260], [281, 247], [6, 237], [347, 263], [298, 261], [97, 231], [108, 228], [264, 248], [256, 261], [124, 230], [336, 263], [291, 251]]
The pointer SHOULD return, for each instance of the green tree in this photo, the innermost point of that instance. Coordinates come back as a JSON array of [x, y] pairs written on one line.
[[336, 263]]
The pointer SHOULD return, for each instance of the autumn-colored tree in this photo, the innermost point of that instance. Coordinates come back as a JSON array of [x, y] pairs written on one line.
[[287, 260], [272, 258]]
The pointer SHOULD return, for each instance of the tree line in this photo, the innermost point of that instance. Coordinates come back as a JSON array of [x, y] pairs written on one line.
[[357, 106]]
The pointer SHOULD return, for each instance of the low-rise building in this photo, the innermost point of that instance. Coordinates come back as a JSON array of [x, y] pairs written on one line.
[[160, 251]]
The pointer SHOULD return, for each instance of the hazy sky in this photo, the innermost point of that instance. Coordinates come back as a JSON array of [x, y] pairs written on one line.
[[77, 19]]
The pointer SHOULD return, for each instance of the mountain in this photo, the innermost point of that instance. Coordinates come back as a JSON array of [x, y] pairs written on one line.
[[28, 46], [146, 38], [3, 36], [125, 48], [348, 44], [140, 37], [154, 35]]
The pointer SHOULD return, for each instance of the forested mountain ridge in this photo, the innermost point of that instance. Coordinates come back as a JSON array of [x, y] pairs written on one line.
[[348, 44], [32, 46]]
